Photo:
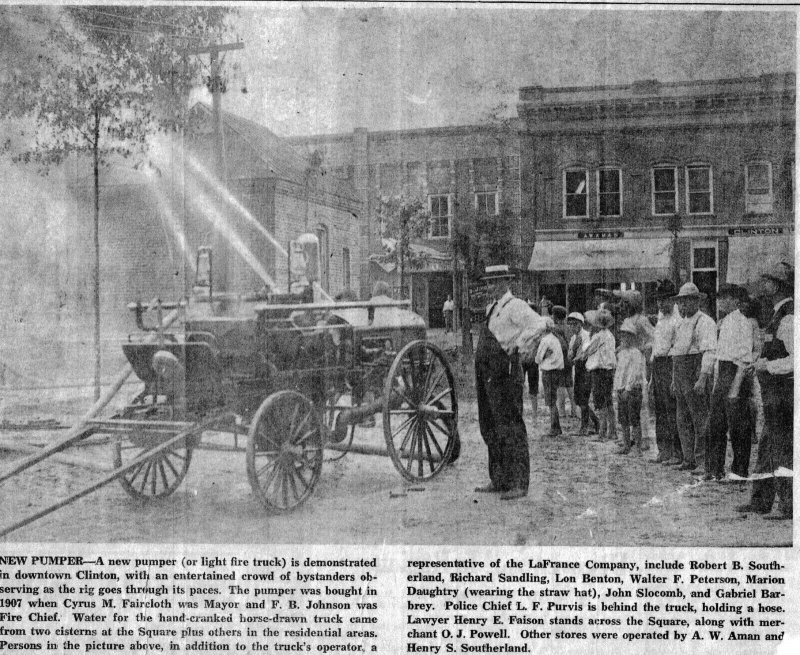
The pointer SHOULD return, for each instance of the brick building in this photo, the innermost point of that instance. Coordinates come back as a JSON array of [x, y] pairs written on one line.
[[623, 185], [449, 168]]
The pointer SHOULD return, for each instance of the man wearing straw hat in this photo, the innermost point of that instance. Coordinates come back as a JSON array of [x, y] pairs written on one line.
[[509, 337], [775, 370], [692, 371]]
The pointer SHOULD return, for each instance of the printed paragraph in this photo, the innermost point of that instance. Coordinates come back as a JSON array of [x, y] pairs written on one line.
[[274, 604], [508, 605]]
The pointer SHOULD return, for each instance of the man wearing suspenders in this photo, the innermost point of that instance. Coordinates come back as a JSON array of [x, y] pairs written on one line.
[[509, 337], [775, 370]]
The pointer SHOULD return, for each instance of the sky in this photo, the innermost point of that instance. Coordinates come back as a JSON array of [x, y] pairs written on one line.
[[311, 69]]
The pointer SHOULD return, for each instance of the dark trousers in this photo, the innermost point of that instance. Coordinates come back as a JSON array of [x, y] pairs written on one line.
[[729, 415], [498, 382], [777, 443], [532, 373], [629, 407], [667, 440], [691, 408]]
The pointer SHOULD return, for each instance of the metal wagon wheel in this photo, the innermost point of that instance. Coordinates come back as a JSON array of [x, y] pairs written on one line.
[[162, 473], [420, 411], [284, 451]]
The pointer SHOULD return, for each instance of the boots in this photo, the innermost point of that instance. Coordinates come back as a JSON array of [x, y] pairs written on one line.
[[555, 424], [612, 423], [637, 439], [584, 429], [626, 441], [602, 428]]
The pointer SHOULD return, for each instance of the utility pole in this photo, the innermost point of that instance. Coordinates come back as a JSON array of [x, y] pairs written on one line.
[[216, 85]]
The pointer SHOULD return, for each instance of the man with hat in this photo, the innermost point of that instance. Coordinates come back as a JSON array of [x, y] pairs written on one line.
[[509, 336], [692, 368], [730, 399], [667, 441], [601, 361], [775, 370]]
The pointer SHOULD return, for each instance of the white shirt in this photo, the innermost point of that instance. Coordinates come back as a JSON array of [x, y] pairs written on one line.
[[585, 338], [448, 306], [697, 334], [664, 333], [735, 340], [785, 333], [631, 371], [603, 345], [549, 355], [516, 326]]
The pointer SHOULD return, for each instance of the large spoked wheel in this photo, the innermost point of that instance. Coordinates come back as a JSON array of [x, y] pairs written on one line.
[[420, 411], [284, 451], [159, 475]]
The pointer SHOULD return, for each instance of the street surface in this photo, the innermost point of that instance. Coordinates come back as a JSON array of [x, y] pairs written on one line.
[[581, 494]]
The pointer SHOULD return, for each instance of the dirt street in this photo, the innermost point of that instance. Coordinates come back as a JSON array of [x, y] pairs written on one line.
[[582, 494]]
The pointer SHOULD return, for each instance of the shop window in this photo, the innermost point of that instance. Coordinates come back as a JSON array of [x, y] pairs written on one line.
[[440, 211], [699, 189], [758, 182], [664, 183], [576, 193], [609, 192], [486, 203]]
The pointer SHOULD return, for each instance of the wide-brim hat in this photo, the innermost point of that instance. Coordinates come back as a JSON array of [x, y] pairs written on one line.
[[689, 290], [782, 274], [576, 316], [498, 272], [732, 291], [664, 289], [601, 318]]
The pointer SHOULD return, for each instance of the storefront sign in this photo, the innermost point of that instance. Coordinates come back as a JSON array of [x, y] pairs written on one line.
[[601, 234], [753, 231]]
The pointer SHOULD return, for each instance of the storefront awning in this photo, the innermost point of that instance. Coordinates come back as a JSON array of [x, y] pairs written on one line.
[[597, 254], [750, 256]]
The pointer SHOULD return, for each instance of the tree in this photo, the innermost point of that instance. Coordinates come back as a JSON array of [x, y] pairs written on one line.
[[103, 80], [403, 219]]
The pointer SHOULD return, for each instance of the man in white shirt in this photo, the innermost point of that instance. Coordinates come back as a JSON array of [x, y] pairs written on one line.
[[692, 370], [510, 336], [775, 370], [667, 440], [735, 353], [447, 312], [550, 359]]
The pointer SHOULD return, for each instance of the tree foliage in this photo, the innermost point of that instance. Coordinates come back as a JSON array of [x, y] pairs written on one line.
[[480, 240], [104, 78], [402, 220]]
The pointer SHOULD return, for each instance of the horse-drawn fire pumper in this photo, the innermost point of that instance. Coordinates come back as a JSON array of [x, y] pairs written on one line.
[[298, 376]]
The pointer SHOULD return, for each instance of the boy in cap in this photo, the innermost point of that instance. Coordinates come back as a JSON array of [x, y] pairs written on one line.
[[629, 380], [601, 361], [565, 384], [582, 384], [692, 368]]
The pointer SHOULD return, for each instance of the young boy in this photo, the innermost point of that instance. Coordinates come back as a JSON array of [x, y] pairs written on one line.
[[583, 386], [550, 359], [629, 380], [601, 361]]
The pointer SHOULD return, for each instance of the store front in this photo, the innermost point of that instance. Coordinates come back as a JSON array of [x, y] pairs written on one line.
[[568, 272]]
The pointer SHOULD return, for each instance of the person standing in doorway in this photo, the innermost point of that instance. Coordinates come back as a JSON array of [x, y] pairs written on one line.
[[447, 312], [509, 336], [692, 367]]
